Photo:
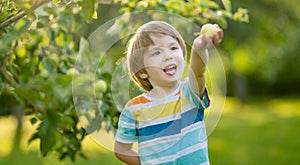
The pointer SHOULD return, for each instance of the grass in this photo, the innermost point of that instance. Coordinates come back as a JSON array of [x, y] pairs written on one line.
[[264, 132]]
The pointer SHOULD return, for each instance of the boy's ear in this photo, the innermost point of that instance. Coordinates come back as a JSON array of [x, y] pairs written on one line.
[[143, 75]]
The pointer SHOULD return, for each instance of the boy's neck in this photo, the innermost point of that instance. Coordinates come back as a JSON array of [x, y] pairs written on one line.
[[160, 92]]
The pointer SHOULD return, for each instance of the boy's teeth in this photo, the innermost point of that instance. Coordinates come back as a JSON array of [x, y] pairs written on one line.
[[170, 70], [170, 67]]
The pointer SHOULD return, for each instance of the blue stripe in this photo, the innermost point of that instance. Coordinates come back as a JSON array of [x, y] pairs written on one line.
[[172, 127], [197, 157], [194, 158], [127, 134], [160, 150]]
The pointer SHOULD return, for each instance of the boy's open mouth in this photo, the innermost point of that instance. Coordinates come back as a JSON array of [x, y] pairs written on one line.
[[170, 69]]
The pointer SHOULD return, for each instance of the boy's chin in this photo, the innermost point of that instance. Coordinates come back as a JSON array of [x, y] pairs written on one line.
[[175, 79]]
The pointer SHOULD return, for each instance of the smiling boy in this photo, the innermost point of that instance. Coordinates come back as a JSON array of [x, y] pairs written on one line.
[[167, 120]]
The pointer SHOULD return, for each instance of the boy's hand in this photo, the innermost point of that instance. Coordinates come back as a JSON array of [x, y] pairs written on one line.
[[210, 35]]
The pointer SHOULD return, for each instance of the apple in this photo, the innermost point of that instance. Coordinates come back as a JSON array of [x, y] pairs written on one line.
[[100, 86], [209, 30], [72, 71]]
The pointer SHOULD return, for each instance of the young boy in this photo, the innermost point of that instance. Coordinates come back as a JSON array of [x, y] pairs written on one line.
[[167, 120]]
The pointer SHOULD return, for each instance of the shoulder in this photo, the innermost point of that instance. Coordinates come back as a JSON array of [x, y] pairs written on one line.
[[137, 100]]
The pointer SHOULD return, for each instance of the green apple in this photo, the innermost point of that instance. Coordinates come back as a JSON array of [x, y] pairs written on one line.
[[100, 86], [209, 29], [72, 71]]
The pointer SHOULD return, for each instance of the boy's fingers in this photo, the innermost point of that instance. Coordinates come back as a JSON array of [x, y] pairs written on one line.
[[216, 40]]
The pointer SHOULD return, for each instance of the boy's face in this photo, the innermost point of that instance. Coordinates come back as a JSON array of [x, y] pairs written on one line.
[[164, 61]]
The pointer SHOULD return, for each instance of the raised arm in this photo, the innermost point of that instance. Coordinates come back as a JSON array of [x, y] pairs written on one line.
[[199, 59], [124, 153]]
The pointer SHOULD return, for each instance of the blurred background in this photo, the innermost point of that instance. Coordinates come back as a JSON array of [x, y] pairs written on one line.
[[41, 40]]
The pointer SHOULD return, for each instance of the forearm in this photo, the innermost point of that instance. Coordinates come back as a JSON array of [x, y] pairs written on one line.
[[126, 154], [198, 62], [130, 157]]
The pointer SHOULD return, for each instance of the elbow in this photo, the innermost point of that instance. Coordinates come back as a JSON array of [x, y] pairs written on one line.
[[118, 152], [118, 155]]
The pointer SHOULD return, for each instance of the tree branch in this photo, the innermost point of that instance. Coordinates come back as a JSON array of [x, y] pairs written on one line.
[[21, 14], [9, 78]]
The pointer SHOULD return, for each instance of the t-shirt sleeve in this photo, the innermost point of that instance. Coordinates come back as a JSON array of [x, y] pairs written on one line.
[[126, 132], [193, 97]]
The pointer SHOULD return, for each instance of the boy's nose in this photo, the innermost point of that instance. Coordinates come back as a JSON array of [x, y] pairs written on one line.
[[167, 55]]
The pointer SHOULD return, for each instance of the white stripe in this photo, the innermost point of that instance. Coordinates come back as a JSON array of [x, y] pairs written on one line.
[[159, 140], [187, 107], [127, 125], [171, 137], [118, 139], [159, 120], [194, 126], [179, 154]]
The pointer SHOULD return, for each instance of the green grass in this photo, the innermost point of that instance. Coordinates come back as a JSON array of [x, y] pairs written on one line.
[[264, 132]]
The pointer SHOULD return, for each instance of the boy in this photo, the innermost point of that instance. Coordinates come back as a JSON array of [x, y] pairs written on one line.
[[167, 120]]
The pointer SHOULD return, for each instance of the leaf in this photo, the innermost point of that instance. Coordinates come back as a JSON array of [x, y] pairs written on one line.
[[241, 15], [95, 15], [50, 65], [48, 136], [227, 5], [63, 155], [20, 28], [56, 1], [60, 39], [87, 9], [95, 124]]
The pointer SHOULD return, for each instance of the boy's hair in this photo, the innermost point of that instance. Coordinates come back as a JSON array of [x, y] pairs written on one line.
[[140, 42]]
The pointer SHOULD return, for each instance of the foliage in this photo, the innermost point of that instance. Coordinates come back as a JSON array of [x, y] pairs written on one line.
[[40, 41], [265, 51], [199, 11]]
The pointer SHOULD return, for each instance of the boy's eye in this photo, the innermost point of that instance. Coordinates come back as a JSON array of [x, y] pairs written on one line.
[[156, 53], [174, 48]]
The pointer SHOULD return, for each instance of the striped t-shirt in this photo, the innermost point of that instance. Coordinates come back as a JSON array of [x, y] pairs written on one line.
[[170, 130]]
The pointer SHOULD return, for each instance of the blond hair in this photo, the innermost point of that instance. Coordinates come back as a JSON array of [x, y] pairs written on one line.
[[139, 43]]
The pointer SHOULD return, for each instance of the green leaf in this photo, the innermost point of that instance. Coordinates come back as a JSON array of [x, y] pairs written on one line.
[[63, 155], [56, 1], [95, 15], [241, 15], [50, 65], [48, 135], [227, 5], [20, 28], [87, 9]]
